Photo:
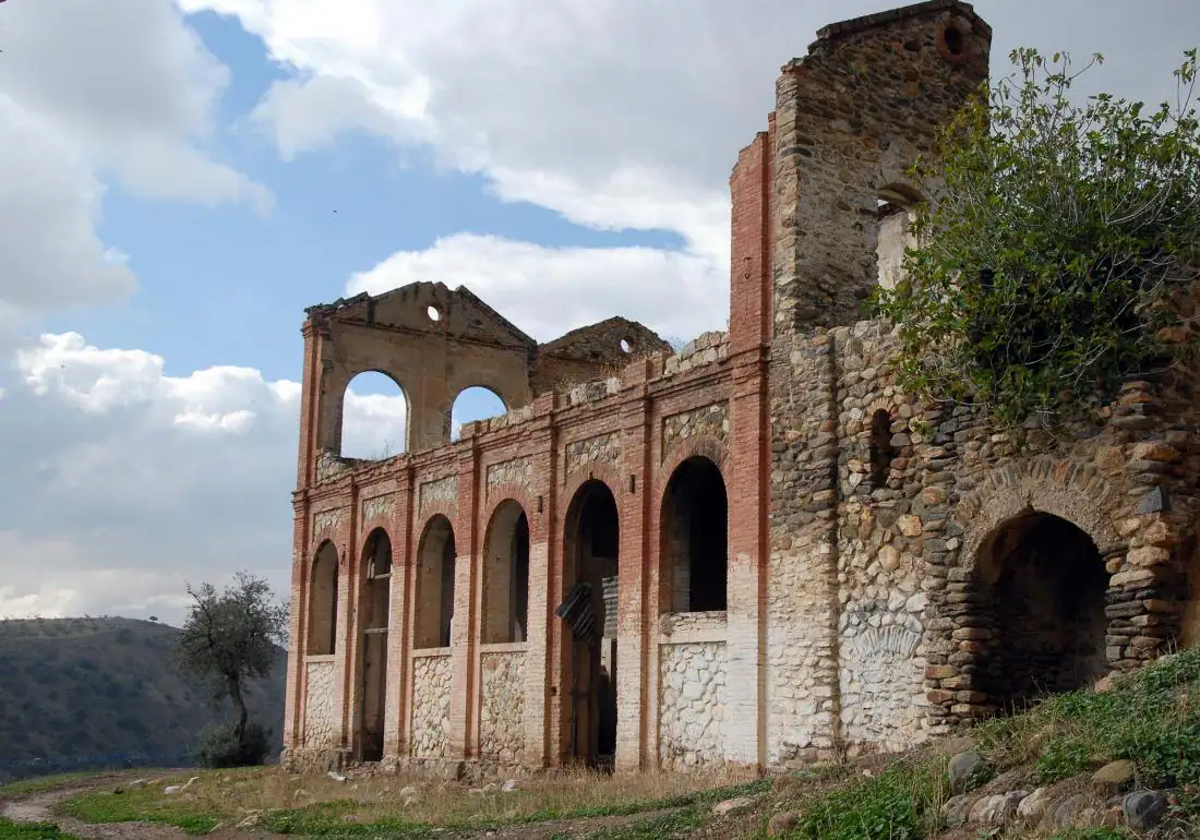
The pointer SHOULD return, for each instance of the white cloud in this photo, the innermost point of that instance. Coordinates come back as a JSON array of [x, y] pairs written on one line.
[[128, 482], [548, 291], [131, 84]]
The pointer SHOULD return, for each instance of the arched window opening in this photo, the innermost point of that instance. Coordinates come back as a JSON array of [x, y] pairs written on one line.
[[591, 541], [434, 619], [374, 617], [896, 211], [323, 601], [377, 580], [881, 448], [695, 523], [506, 576], [471, 404], [1041, 586], [374, 417]]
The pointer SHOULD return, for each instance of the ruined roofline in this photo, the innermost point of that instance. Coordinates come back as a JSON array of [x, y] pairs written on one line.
[[840, 29], [327, 309], [561, 343]]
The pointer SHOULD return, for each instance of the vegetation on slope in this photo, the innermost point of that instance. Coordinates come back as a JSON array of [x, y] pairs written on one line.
[[83, 692]]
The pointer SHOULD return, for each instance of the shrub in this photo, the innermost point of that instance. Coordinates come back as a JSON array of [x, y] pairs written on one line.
[[221, 747]]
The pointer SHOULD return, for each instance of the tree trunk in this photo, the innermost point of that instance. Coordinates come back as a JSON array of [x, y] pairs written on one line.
[[239, 703]]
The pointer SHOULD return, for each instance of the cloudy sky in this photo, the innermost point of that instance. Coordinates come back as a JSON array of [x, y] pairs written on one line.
[[180, 178]]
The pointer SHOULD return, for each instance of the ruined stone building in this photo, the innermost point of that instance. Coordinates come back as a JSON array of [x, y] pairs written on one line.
[[780, 561]]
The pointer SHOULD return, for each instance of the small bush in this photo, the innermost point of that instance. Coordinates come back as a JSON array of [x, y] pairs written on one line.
[[221, 747]]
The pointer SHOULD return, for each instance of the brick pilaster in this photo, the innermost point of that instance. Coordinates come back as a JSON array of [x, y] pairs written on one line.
[[293, 703], [544, 544], [636, 642], [463, 644], [395, 739]]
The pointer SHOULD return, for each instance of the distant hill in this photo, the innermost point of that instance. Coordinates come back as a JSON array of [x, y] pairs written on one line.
[[78, 693]]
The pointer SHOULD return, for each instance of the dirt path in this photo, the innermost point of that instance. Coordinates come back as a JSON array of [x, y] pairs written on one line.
[[40, 808]]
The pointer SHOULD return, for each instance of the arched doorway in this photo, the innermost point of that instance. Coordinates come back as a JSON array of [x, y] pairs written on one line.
[[433, 619], [374, 618], [695, 529], [322, 602], [591, 542], [506, 576], [1039, 595]]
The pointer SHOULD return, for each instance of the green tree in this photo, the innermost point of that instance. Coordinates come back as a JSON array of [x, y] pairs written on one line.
[[230, 638], [1057, 250]]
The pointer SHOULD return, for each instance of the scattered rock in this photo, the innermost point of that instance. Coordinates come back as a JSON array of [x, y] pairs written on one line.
[[1144, 809], [409, 795], [956, 809], [171, 790], [509, 786], [1105, 684], [781, 823], [1066, 812], [1115, 777], [137, 783], [335, 776], [731, 805], [1033, 806], [965, 771], [251, 820]]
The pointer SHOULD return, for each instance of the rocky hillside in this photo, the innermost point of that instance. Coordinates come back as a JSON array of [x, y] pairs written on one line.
[[77, 693]]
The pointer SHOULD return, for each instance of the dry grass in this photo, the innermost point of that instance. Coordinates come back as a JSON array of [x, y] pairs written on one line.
[[230, 796]]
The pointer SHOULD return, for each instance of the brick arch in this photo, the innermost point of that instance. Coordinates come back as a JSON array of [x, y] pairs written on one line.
[[608, 474], [427, 512], [510, 491], [703, 446], [375, 523], [325, 533], [1046, 485]]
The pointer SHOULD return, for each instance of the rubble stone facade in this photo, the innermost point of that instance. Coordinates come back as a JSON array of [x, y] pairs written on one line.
[[801, 558]]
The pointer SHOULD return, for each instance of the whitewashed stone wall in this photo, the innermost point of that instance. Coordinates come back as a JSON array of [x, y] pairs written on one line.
[[502, 707], [882, 690], [320, 718], [431, 706], [692, 705]]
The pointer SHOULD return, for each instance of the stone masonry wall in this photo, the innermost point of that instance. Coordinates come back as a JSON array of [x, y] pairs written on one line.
[[692, 705], [850, 117], [431, 706], [502, 701], [321, 723]]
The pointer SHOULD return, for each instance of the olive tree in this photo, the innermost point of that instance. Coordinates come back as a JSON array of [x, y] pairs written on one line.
[[229, 638], [1057, 248]]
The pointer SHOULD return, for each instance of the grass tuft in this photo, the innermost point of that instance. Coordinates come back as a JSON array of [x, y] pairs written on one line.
[[32, 831]]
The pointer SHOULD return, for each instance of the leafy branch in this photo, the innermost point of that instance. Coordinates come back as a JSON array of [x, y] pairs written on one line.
[[1059, 252]]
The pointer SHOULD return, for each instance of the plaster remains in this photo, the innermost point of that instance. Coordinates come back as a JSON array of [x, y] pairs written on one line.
[[754, 551]]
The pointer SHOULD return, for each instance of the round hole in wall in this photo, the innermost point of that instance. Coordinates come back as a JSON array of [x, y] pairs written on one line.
[[625, 346], [434, 313]]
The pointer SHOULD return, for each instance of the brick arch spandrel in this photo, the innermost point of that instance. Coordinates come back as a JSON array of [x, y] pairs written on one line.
[[703, 446]]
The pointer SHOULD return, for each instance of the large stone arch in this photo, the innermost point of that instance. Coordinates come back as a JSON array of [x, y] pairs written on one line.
[[1062, 525]]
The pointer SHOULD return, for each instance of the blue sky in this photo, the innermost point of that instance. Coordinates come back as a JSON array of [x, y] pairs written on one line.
[[168, 192]]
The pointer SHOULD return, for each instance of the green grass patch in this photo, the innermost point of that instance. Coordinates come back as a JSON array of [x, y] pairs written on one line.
[[902, 803], [40, 784], [32, 831], [1151, 717], [673, 826], [144, 804], [329, 819]]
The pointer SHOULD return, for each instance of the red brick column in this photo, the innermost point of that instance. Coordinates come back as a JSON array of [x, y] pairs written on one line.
[[395, 738], [748, 464], [636, 645], [545, 557], [293, 703], [462, 655], [344, 650]]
